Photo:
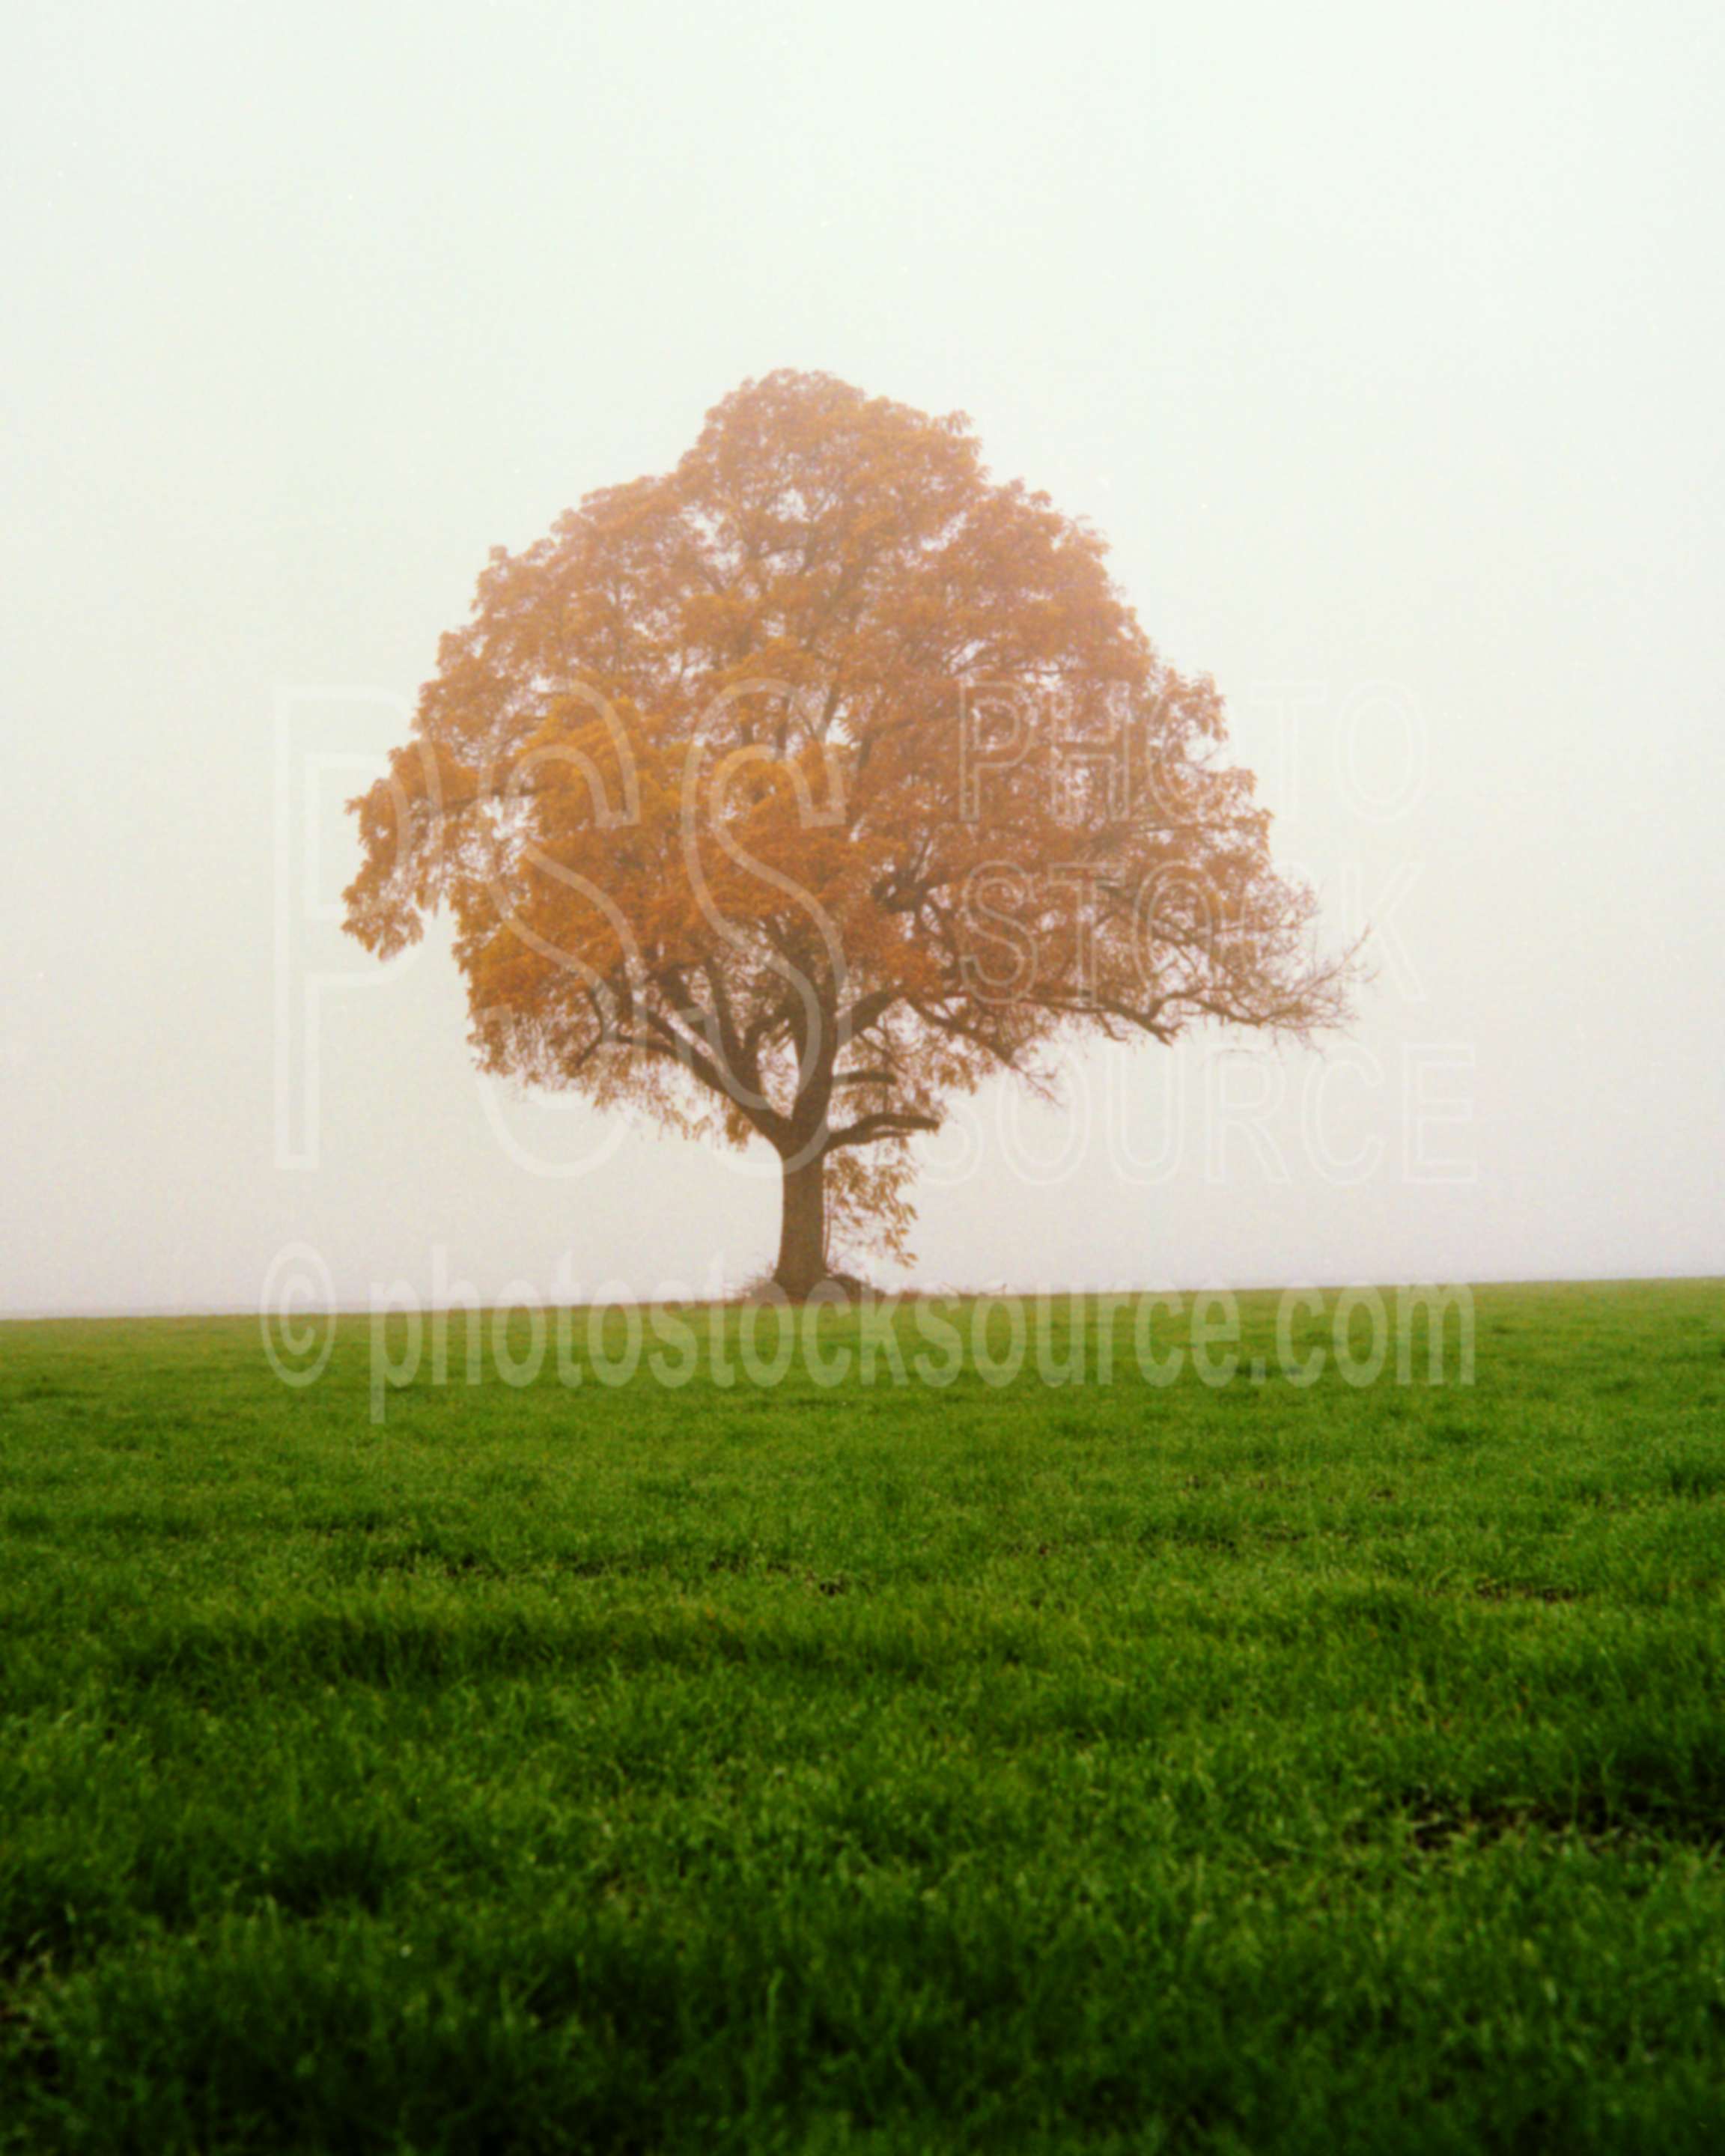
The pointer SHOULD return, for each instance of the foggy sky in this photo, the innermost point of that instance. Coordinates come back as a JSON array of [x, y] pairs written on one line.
[[1385, 347]]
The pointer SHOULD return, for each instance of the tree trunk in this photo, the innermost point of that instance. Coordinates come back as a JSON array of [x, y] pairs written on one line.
[[802, 1238]]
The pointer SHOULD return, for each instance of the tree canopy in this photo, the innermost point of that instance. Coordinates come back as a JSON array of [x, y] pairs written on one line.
[[795, 790]]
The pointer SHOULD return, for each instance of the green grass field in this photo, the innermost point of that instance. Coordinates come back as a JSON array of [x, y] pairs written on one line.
[[1252, 1767]]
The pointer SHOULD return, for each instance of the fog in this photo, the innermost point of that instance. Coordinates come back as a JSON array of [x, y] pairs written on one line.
[[1386, 348]]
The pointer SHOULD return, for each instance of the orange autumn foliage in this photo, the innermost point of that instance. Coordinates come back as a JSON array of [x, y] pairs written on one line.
[[794, 790]]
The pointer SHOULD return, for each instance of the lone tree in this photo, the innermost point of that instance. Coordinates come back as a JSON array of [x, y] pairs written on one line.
[[791, 792]]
